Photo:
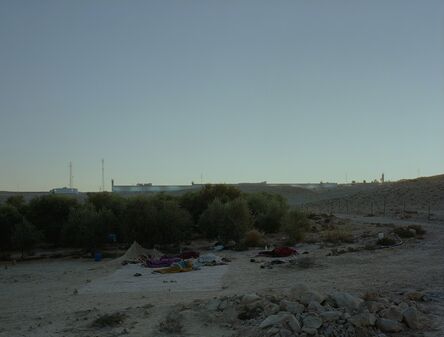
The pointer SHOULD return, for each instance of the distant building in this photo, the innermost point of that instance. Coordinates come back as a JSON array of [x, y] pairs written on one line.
[[150, 188], [64, 190]]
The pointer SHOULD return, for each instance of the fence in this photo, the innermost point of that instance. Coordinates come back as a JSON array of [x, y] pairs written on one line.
[[402, 207]]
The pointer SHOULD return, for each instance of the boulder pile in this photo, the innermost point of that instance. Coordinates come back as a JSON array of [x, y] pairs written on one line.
[[303, 312]]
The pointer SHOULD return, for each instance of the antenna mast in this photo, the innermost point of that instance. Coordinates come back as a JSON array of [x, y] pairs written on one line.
[[103, 175], [70, 174]]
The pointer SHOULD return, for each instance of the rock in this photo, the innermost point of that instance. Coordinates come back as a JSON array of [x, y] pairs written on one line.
[[309, 331], [312, 322], [270, 308], [285, 333], [392, 313], [388, 325], [402, 306], [273, 320], [414, 296], [410, 316], [315, 306], [347, 301], [330, 316], [284, 320], [250, 313], [374, 306], [273, 331], [293, 323], [230, 314], [213, 304], [223, 305], [304, 295], [363, 319], [250, 298], [293, 307]]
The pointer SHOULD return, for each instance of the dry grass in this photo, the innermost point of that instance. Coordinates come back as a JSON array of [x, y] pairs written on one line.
[[311, 238], [404, 232], [338, 236], [418, 228], [172, 324], [254, 238], [109, 320], [306, 262]]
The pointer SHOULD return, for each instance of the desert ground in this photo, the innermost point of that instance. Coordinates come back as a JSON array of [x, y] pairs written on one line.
[[65, 297]]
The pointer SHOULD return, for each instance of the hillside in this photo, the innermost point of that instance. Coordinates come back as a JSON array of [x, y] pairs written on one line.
[[404, 196]]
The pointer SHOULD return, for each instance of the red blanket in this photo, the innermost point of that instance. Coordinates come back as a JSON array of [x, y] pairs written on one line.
[[279, 252]]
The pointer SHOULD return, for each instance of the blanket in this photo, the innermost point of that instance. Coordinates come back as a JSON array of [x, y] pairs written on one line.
[[279, 252], [162, 262], [178, 267]]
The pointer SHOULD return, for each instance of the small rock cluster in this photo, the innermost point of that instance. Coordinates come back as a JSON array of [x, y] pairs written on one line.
[[304, 312]]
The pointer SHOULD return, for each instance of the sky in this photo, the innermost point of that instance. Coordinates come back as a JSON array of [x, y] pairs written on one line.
[[176, 91]]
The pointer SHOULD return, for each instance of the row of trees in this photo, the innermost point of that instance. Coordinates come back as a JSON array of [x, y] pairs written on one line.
[[218, 212]]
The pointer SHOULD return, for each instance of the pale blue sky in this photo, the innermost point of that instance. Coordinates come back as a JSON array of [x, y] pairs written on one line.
[[283, 91]]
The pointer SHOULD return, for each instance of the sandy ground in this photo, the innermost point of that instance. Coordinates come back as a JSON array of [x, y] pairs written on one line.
[[62, 297]]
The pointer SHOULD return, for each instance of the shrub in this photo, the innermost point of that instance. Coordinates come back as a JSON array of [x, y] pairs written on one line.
[[9, 218], [49, 213], [172, 324], [109, 320], [25, 236], [306, 262], [156, 220], [404, 232], [418, 229], [338, 236], [227, 221], [295, 225], [17, 201], [268, 211], [116, 204], [253, 238], [386, 241], [197, 202], [86, 227]]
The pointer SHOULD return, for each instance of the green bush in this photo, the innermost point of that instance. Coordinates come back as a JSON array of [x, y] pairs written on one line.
[[268, 211], [295, 225], [116, 204], [9, 218], [17, 201], [197, 202], [49, 213], [86, 227], [226, 221], [156, 220]]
